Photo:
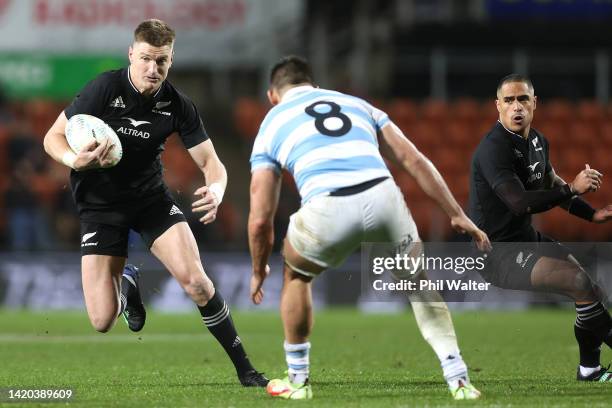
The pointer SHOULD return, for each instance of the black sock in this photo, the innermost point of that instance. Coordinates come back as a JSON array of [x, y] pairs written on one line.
[[217, 318], [589, 346], [595, 318]]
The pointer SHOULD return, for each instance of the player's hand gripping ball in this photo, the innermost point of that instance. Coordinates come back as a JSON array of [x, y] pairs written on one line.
[[82, 129]]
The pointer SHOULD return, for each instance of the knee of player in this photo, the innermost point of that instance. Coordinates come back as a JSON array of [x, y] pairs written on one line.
[[102, 324], [582, 282]]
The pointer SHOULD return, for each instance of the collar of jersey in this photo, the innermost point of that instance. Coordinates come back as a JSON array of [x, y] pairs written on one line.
[[136, 89], [515, 134], [295, 91]]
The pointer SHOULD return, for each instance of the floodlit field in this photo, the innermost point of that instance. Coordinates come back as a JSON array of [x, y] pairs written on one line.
[[525, 358]]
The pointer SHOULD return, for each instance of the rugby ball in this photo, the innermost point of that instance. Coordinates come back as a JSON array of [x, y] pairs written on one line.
[[81, 129]]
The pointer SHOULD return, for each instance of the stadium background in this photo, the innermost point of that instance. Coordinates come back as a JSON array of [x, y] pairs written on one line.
[[432, 65]]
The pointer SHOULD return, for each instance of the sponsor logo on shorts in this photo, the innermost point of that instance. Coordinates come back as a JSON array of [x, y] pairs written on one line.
[[175, 210], [87, 237], [522, 260]]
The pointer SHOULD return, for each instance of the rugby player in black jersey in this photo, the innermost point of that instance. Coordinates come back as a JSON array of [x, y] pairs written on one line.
[[512, 178], [144, 109]]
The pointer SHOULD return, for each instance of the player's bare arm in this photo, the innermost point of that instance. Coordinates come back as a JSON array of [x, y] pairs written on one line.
[[265, 192], [395, 146], [93, 155], [215, 175]]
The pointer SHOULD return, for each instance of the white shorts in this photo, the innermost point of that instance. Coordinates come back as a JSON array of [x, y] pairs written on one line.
[[327, 229]]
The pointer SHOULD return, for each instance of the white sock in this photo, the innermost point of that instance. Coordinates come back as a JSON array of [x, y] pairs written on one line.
[[434, 321], [454, 370], [298, 361], [586, 371]]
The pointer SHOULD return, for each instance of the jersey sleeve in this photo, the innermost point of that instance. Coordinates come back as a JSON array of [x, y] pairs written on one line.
[[261, 156], [495, 161], [189, 124], [92, 99], [381, 119]]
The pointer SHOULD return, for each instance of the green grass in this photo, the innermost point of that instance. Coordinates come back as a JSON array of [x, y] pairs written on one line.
[[525, 358]]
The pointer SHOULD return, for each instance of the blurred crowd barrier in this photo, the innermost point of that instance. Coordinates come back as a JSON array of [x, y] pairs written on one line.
[[36, 209], [52, 280]]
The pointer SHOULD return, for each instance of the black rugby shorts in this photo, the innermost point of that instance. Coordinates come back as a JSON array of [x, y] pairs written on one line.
[[509, 264], [105, 232]]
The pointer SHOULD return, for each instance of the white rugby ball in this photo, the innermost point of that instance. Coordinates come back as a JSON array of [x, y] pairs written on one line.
[[82, 129]]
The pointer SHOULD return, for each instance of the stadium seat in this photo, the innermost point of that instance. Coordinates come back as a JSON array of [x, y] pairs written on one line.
[[465, 109], [583, 133], [434, 110], [488, 113], [559, 110], [402, 110], [606, 133], [248, 114], [592, 111]]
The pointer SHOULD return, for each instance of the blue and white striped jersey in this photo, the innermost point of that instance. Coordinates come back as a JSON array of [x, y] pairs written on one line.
[[325, 139]]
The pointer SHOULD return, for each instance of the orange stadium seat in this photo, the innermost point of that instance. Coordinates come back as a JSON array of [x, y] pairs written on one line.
[[488, 112], [555, 109], [426, 135], [606, 133], [402, 110], [248, 114], [592, 111], [583, 133], [461, 134], [465, 109], [434, 109]]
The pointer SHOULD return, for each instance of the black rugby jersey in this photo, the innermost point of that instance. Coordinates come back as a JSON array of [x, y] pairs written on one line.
[[142, 124], [500, 157]]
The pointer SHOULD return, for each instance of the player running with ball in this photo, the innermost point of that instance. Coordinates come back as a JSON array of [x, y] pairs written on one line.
[[144, 109]]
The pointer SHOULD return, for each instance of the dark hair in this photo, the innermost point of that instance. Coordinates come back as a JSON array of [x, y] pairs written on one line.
[[154, 32], [290, 70], [514, 78]]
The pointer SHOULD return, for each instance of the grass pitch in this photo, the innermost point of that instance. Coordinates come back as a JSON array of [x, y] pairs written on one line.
[[525, 358]]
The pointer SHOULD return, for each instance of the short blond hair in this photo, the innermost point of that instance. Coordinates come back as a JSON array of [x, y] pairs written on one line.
[[154, 32]]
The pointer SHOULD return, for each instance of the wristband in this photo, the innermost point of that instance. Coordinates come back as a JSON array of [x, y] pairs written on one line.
[[218, 191], [581, 208], [69, 158]]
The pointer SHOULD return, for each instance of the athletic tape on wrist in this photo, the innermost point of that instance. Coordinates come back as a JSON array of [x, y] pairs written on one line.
[[218, 191], [69, 158]]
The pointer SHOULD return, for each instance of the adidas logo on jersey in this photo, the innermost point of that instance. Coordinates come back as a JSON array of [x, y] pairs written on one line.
[[117, 103], [175, 210]]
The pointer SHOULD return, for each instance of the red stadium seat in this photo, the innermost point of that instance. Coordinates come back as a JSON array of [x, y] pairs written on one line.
[[465, 109], [434, 109], [558, 110], [592, 111], [402, 110], [248, 114]]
